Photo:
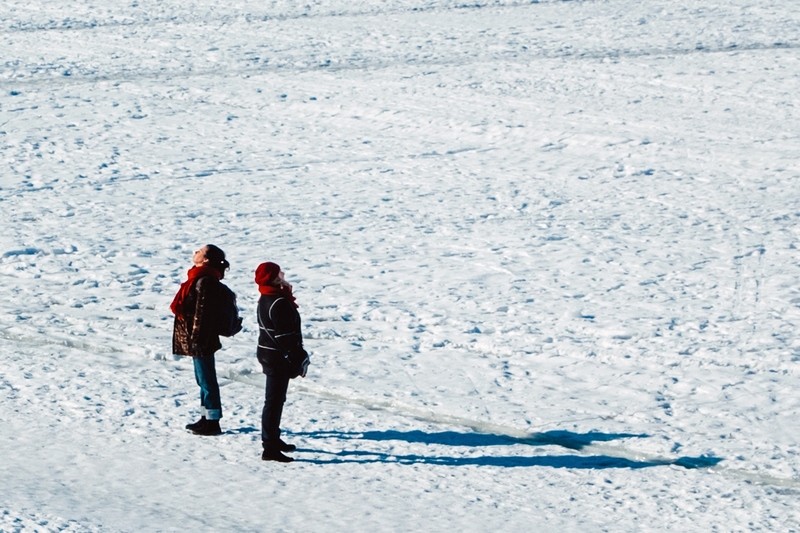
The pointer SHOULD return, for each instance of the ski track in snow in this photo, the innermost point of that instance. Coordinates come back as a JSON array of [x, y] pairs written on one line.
[[545, 252]]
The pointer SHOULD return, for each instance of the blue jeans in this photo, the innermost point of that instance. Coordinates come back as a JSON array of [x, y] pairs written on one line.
[[206, 375]]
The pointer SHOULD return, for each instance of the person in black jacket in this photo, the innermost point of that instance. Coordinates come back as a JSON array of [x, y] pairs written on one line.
[[279, 338], [194, 332]]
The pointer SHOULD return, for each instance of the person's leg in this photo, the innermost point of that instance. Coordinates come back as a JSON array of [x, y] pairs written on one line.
[[202, 422], [206, 375], [274, 398]]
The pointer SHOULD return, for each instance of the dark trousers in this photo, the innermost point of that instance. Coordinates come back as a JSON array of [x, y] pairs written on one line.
[[205, 373], [274, 398]]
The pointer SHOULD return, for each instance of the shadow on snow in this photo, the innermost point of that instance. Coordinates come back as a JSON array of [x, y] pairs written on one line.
[[564, 439]]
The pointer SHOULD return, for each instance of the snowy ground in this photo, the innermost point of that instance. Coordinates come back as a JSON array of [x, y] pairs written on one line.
[[546, 255]]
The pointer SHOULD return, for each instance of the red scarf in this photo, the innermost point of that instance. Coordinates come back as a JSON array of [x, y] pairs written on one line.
[[280, 290], [194, 273]]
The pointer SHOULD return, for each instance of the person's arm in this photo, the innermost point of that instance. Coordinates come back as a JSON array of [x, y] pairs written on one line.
[[286, 324], [201, 330]]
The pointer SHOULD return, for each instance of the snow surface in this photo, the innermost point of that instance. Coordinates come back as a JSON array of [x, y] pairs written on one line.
[[546, 255]]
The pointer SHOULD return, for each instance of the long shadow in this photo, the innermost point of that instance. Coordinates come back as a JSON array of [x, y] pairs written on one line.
[[243, 430], [593, 462], [564, 439]]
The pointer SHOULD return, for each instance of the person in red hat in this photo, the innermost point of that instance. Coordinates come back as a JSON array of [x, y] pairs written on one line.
[[194, 333], [280, 352]]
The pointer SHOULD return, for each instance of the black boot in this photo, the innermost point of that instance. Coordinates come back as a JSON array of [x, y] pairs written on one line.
[[193, 427], [275, 455], [208, 428], [212, 428], [284, 447], [272, 452]]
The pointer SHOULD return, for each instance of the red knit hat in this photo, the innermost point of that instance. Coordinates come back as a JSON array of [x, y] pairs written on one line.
[[266, 273]]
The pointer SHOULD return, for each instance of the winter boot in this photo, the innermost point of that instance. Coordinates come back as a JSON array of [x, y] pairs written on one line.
[[275, 455], [209, 428], [284, 447], [272, 452], [193, 427]]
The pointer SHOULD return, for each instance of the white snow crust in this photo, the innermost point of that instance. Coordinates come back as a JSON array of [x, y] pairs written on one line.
[[546, 255]]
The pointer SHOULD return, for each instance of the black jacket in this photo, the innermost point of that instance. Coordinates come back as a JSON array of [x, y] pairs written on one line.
[[279, 332], [194, 333]]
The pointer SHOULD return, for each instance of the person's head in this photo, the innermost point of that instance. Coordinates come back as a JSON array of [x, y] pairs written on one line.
[[212, 256], [269, 274]]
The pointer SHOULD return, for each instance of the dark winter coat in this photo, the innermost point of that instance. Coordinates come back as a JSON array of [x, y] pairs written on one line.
[[194, 332], [279, 332]]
